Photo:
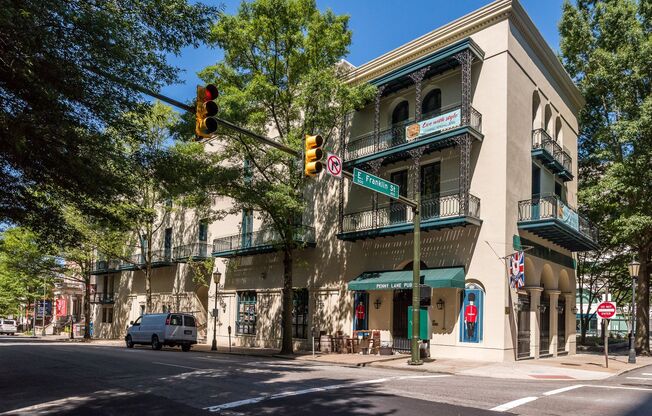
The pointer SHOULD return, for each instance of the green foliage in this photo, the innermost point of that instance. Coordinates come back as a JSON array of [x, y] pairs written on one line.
[[55, 106], [25, 266]]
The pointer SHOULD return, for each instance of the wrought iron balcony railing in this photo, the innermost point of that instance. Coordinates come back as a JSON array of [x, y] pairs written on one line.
[[394, 136], [104, 265], [541, 140], [138, 260], [551, 207], [265, 237], [444, 207], [199, 250], [101, 297]]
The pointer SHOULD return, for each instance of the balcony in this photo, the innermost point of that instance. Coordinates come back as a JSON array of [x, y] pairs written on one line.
[[550, 218], [435, 131], [194, 252], [106, 266], [552, 155], [103, 298], [266, 240], [160, 258], [393, 218]]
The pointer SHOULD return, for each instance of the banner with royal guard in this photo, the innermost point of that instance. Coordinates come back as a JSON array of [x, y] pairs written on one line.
[[517, 270]]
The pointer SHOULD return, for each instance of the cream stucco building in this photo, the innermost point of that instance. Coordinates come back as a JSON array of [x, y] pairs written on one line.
[[495, 161]]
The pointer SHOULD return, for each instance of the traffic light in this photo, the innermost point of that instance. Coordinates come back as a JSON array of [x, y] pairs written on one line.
[[313, 155], [205, 123]]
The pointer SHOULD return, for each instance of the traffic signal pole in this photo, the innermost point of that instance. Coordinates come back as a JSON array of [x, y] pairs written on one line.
[[415, 358]]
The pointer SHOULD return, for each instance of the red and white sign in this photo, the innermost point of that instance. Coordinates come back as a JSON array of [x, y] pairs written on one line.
[[606, 310], [334, 165], [61, 307]]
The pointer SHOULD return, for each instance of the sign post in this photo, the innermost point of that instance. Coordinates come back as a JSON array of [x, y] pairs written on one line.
[[606, 311]]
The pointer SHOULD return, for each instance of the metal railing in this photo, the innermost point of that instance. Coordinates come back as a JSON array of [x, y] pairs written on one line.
[[263, 237], [138, 260], [103, 264], [101, 297], [445, 206], [368, 143], [195, 250], [542, 140], [551, 207]]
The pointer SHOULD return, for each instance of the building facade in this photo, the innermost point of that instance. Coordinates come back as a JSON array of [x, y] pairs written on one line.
[[479, 118]]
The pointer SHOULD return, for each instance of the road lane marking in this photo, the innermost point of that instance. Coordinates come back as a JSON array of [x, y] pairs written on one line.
[[431, 376], [646, 374], [640, 378], [513, 404], [622, 388], [562, 390], [285, 394], [180, 366], [69, 403]]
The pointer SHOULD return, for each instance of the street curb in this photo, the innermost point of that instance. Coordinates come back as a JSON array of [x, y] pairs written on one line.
[[414, 369], [628, 370]]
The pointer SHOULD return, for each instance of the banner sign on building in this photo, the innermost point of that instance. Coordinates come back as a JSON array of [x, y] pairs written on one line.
[[44, 308], [517, 270], [61, 307], [568, 216], [441, 122]]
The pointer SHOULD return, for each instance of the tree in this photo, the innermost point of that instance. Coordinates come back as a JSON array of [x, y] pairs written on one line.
[[605, 47], [280, 74], [66, 73], [27, 269]]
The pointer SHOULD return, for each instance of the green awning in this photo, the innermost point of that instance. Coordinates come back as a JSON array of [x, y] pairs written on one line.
[[402, 279]]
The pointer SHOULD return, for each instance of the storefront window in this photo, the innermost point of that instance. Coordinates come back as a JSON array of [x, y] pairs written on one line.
[[246, 323], [471, 314], [107, 315], [300, 313]]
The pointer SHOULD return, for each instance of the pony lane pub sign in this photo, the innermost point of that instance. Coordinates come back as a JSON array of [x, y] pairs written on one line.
[[441, 122]]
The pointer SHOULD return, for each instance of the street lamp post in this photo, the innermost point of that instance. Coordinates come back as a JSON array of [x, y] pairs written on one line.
[[43, 314], [217, 276], [633, 272]]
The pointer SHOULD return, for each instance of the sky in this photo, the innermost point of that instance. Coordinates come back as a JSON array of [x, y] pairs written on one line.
[[378, 26]]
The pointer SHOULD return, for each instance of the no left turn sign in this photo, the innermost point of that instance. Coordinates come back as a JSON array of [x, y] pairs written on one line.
[[334, 165]]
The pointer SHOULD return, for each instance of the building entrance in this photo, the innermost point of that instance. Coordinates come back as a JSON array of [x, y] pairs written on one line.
[[402, 300], [544, 324], [523, 325]]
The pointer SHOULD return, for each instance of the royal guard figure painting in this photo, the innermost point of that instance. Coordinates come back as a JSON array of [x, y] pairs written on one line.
[[471, 316], [360, 314]]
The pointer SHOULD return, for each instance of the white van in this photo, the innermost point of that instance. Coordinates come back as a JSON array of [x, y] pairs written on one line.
[[160, 329], [7, 326]]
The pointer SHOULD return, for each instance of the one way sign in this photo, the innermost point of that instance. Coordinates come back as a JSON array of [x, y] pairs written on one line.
[[334, 165]]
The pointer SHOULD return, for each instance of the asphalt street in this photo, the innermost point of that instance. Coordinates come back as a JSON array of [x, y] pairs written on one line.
[[38, 378]]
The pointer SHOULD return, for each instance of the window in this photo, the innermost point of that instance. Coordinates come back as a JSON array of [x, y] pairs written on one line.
[[175, 320], [536, 181], [168, 243], [398, 211], [431, 104], [189, 321], [203, 230], [107, 315], [471, 313], [300, 313], [401, 112], [430, 184], [246, 323]]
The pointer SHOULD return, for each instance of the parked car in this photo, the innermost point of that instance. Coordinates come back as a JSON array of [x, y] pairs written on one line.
[[7, 326], [160, 329]]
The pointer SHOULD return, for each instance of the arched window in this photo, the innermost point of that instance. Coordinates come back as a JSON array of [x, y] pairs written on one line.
[[431, 103], [472, 313], [401, 112], [558, 130], [536, 111], [548, 119]]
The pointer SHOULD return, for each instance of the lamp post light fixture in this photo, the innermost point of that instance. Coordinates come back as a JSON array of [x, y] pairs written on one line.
[[217, 277], [377, 303], [633, 267], [440, 304]]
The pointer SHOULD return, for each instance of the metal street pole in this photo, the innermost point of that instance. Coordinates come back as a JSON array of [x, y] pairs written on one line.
[[214, 344], [416, 282], [632, 350], [43, 314]]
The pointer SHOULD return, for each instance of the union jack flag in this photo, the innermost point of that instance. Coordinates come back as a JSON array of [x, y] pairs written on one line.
[[517, 270]]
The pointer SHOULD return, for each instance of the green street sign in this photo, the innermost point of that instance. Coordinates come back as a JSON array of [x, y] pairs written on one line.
[[375, 183]]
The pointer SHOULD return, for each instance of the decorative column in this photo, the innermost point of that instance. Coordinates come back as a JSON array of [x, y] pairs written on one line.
[[379, 93], [570, 321], [464, 181], [374, 167], [554, 297], [417, 77], [535, 328], [340, 222], [465, 58]]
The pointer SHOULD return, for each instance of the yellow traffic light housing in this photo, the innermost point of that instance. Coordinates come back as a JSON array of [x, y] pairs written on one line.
[[206, 110], [313, 155]]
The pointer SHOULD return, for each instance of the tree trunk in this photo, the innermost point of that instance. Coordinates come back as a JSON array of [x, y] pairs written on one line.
[[148, 288], [87, 306], [286, 347], [583, 322], [643, 305]]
